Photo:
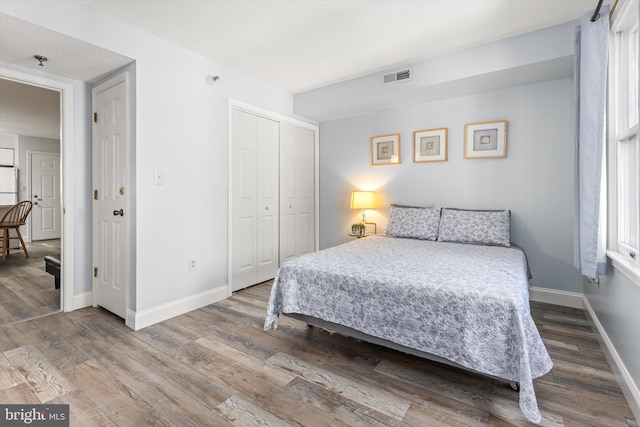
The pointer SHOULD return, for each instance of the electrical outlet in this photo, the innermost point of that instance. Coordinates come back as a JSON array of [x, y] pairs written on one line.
[[595, 281], [193, 264]]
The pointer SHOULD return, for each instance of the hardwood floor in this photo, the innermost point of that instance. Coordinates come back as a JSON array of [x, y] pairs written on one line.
[[26, 289], [215, 366]]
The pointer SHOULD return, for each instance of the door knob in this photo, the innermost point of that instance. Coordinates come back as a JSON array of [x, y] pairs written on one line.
[[120, 212]]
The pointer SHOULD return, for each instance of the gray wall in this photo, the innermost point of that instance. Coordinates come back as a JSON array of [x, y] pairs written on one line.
[[615, 302], [534, 181]]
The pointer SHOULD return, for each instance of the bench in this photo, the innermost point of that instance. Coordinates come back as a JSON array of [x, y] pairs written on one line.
[[52, 266]]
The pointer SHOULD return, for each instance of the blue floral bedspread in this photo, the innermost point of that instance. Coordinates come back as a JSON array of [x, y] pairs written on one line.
[[466, 303]]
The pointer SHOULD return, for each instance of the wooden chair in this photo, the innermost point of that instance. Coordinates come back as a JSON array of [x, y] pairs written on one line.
[[12, 220]]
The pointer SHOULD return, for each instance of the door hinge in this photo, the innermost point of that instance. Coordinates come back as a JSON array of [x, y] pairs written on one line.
[[95, 271], [95, 117], [95, 194]]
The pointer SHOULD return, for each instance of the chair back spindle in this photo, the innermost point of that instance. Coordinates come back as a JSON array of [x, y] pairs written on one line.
[[15, 217]]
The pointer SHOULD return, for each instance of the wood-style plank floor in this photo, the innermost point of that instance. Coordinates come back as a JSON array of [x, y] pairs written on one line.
[[26, 289], [216, 366]]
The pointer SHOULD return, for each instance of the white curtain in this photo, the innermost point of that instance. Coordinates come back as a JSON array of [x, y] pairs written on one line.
[[590, 76]]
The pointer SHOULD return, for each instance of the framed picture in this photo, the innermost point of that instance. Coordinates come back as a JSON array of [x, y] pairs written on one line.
[[485, 140], [385, 150], [430, 145]]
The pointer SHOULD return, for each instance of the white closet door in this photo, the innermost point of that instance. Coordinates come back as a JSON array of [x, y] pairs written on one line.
[[297, 199], [254, 191], [267, 202]]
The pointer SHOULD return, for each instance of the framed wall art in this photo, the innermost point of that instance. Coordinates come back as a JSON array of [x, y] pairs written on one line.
[[485, 140], [385, 150], [430, 145]]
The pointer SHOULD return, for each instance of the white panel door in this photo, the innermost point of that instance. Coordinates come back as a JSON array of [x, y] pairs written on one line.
[[267, 202], [45, 195], [110, 194], [254, 192], [244, 160], [297, 191]]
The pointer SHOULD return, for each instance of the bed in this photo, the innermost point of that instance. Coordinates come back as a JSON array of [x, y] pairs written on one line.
[[430, 293]]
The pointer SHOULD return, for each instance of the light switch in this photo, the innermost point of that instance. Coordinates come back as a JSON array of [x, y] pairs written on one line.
[[158, 177]]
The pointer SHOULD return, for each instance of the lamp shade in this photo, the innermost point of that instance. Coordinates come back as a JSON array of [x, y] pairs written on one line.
[[363, 200]]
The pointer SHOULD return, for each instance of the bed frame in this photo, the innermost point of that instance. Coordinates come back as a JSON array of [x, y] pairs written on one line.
[[353, 333]]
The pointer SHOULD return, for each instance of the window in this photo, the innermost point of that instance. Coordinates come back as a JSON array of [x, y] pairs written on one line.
[[623, 123]]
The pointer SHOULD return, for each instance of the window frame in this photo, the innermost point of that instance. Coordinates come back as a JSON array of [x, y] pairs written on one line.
[[622, 93]]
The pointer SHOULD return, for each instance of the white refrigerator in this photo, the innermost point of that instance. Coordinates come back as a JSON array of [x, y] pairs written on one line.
[[8, 186]]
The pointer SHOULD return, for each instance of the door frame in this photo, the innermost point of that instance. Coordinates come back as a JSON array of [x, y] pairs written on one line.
[[121, 77], [249, 108], [67, 293], [30, 187]]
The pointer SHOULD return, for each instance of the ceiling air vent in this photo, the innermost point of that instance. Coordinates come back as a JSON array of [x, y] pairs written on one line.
[[397, 77]]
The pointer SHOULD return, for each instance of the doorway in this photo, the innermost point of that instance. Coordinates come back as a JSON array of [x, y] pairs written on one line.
[[65, 246], [27, 290]]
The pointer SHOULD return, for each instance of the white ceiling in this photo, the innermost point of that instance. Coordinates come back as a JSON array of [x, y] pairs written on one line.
[[296, 45], [68, 57], [299, 45], [31, 110]]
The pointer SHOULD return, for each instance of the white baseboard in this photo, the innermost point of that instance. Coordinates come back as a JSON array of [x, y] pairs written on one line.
[[578, 300], [552, 296], [629, 387], [82, 300], [148, 317]]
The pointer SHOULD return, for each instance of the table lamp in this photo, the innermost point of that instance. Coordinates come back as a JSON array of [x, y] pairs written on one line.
[[363, 200]]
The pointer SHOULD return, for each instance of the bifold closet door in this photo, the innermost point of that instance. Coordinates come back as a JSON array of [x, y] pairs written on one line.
[[297, 191], [254, 198]]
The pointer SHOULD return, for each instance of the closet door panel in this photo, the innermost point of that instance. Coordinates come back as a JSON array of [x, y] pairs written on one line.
[[243, 199], [254, 199], [305, 191], [297, 186], [288, 234], [305, 241], [246, 237], [267, 200]]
